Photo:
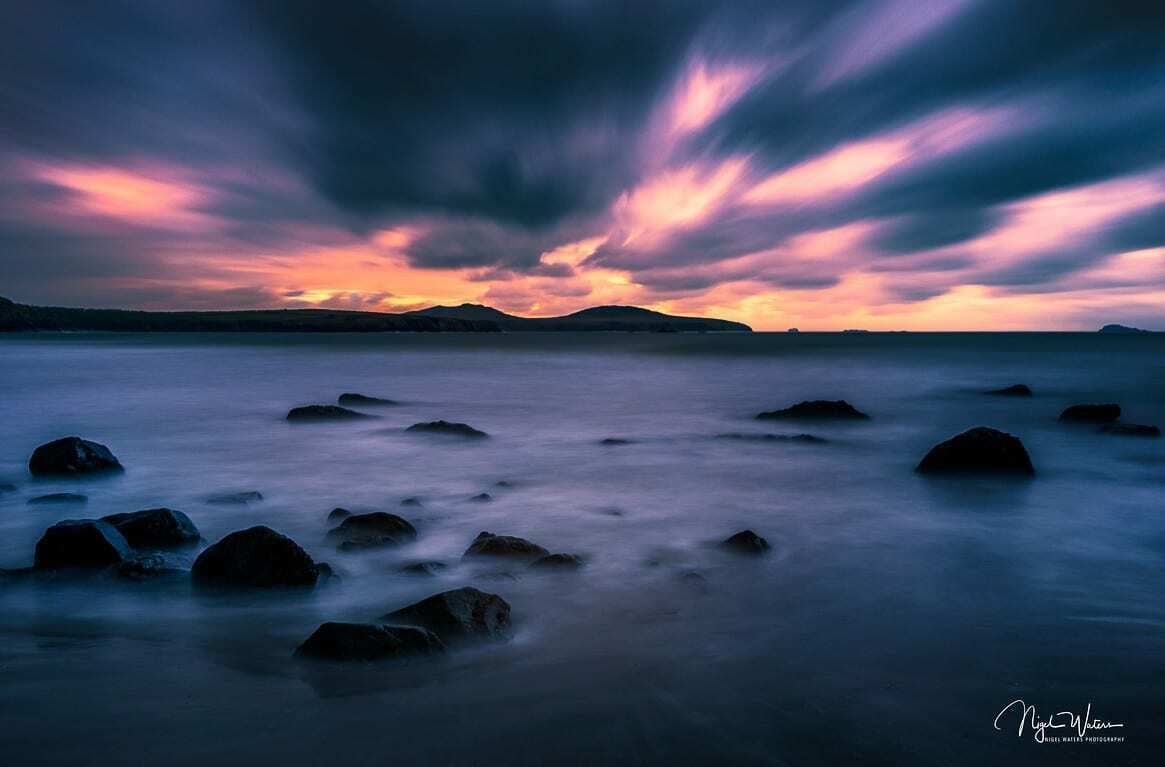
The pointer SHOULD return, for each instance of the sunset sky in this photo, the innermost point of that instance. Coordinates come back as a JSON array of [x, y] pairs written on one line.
[[973, 164]]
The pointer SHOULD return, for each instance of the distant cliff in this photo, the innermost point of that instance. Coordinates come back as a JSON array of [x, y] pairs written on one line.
[[464, 318], [1121, 329]]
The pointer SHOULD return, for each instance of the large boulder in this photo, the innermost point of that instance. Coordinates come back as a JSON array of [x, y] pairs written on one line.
[[505, 546], [978, 450], [147, 567], [458, 614], [818, 409], [72, 455], [365, 642], [324, 413], [257, 557], [351, 398], [155, 528], [447, 427], [366, 531], [1015, 390], [745, 542], [1091, 413], [87, 543]]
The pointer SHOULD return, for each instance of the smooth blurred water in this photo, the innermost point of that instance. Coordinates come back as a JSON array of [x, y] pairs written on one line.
[[893, 619]]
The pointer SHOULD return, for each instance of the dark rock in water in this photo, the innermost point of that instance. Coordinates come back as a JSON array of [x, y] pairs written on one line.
[[337, 514], [155, 528], [503, 483], [490, 545], [228, 499], [745, 542], [615, 441], [72, 455], [146, 567], [367, 531], [447, 427], [1131, 430], [804, 438], [1015, 390], [81, 543], [364, 642], [1091, 413], [324, 413], [817, 409], [424, 568], [7, 487], [694, 580], [326, 573], [257, 557], [350, 398], [412, 500], [978, 450], [60, 498], [458, 614], [481, 498], [558, 562]]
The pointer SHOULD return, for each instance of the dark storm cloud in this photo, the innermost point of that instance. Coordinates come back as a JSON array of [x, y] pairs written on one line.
[[934, 229], [521, 112]]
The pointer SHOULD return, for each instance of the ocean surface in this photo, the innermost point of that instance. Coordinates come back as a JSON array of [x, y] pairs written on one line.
[[895, 616]]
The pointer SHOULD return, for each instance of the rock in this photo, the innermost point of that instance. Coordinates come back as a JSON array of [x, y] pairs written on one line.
[[412, 500], [424, 568], [809, 439], [7, 487], [324, 413], [257, 557], [446, 427], [1115, 328], [458, 614], [558, 562], [1015, 390], [365, 642], [978, 450], [232, 499], [745, 542], [60, 498], [155, 528], [615, 441], [367, 531], [1091, 413], [325, 573], [481, 498], [146, 567], [72, 455], [490, 545], [81, 543], [499, 483], [817, 409], [694, 580], [350, 398], [337, 515], [1131, 430]]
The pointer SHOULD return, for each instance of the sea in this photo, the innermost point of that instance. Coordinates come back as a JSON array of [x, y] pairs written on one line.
[[894, 619]]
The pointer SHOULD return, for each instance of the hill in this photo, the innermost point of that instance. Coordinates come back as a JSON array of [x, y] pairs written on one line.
[[608, 318], [464, 318]]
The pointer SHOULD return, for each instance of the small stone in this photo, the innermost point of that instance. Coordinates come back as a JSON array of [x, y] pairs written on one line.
[[364, 642], [745, 542]]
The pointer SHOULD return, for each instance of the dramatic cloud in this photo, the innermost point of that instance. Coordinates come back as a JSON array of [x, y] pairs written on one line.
[[962, 163]]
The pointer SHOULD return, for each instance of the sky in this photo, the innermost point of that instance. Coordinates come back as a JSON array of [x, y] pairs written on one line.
[[885, 164]]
